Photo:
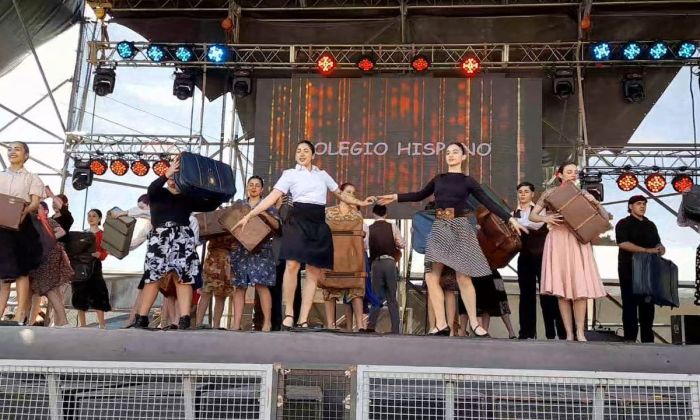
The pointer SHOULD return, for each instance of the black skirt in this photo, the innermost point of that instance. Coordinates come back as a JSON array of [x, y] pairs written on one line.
[[91, 293], [21, 251], [306, 238]]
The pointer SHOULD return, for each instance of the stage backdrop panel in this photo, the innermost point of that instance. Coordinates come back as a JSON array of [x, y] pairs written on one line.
[[387, 134]]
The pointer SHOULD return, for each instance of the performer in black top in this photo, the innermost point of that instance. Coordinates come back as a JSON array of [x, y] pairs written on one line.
[[306, 238], [636, 233], [171, 245], [452, 241]]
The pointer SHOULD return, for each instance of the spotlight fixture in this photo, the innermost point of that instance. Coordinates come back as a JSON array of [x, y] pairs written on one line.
[[633, 88], [119, 167], [420, 63], [156, 53], [686, 50], [104, 80], [563, 84], [218, 53], [593, 183], [126, 50], [658, 50], [601, 51], [184, 53], [655, 182], [183, 85], [326, 64], [98, 166], [82, 175], [242, 84], [627, 181], [631, 51], [366, 63], [140, 167], [160, 167], [471, 65], [682, 183]]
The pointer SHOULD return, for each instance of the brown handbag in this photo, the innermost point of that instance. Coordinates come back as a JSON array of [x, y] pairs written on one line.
[[209, 226], [256, 231], [11, 209], [584, 219], [496, 238]]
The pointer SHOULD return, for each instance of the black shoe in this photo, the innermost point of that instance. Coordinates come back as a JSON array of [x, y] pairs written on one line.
[[285, 327], [445, 332], [170, 327], [184, 323], [141, 321]]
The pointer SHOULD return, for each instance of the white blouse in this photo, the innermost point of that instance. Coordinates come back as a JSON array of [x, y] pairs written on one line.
[[21, 184], [306, 186]]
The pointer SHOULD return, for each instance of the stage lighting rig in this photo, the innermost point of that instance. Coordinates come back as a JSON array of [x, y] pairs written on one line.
[[160, 167], [119, 167], [420, 63], [686, 50], [655, 182], [326, 64], [627, 181], [183, 53], [242, 84], [471, 66], [682, 182], [103, 81], [601, 51], [82, 175], [156, 53], [366, 63], [140, 167], [593, 183], [98, 166], [183, 85], [633, 87], [126, 50], [563, 84], [658, 50], [631, 51], [218, 53]]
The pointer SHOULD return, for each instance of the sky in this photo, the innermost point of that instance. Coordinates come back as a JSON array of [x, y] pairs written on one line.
[[143, 103]]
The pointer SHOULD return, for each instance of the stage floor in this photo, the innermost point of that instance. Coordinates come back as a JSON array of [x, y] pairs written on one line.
[[325, 349]]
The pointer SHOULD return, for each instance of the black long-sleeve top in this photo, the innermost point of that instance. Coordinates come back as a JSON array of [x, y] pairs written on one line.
[[177, 208], [65, 220], [451, 190]]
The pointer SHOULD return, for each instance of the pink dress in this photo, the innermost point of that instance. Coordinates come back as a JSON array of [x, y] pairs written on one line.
[[569, 269]]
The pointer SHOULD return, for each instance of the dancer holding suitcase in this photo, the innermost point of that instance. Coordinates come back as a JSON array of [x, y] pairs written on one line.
[[569, 270], [306, 238], [452, 241]]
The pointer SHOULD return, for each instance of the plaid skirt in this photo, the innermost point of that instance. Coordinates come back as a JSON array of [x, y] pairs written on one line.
[[171, 247], [454, 244]]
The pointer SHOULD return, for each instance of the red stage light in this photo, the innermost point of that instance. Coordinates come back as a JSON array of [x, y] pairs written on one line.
[[627, 181], [160, 167], [98, 166], [682, 183], [140, 167], [326, 64], [471, 66], [655, 182], [366, 64], [420, 63], [119, 167]]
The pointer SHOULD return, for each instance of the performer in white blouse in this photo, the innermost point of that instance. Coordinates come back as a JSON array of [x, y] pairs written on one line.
[[21, 250], [306, 238]]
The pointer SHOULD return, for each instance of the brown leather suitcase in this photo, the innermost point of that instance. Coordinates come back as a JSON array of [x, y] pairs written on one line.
[[209, 225], [585, 220], [340, 281], [348, 256], [11, 209], [118, 232], [256, 231], [497, 239]]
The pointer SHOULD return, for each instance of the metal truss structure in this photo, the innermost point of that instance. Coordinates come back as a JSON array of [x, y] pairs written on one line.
[[148, 147], [396, 58], [643, 158]]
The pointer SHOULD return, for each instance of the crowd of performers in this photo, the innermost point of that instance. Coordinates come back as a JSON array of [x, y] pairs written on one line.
[[551, 258]]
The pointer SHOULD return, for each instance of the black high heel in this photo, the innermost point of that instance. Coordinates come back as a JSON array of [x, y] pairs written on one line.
[[445, 332], [285, 327], [302, 325], [475, 335]]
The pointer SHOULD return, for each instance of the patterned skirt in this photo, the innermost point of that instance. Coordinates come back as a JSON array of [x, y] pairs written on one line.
[[52, 273], [171, 247], [454, 244], [254, 268], [217, 272]]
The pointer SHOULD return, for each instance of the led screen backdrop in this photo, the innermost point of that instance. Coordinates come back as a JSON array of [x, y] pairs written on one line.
[[387, 134]]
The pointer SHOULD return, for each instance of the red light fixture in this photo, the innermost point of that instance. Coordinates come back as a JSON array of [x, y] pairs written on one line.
[[655, 182], [366, 64], [326, 64], [119, 167], [682, 183], [420, 63], [140, 167], [161, 167], [627, 181], [471, 66], [98, 166]]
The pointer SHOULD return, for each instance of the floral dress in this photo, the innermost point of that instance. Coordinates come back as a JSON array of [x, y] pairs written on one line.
[[216, 269], [257, 267]]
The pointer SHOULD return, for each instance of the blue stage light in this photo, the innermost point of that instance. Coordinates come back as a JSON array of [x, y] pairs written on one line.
[[631, 51], [126, 49], [658, 50], [601, 51], [184, 53], [217, 54], [156, 53], [686, 49]]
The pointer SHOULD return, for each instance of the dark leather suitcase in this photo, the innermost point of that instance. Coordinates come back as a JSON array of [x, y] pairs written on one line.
[[256, 231], [655, 278], [118, 232], [209, 225], [497, 239], [11, 209], [585, 220], [205, 178], [685, 329], [80, 246]]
